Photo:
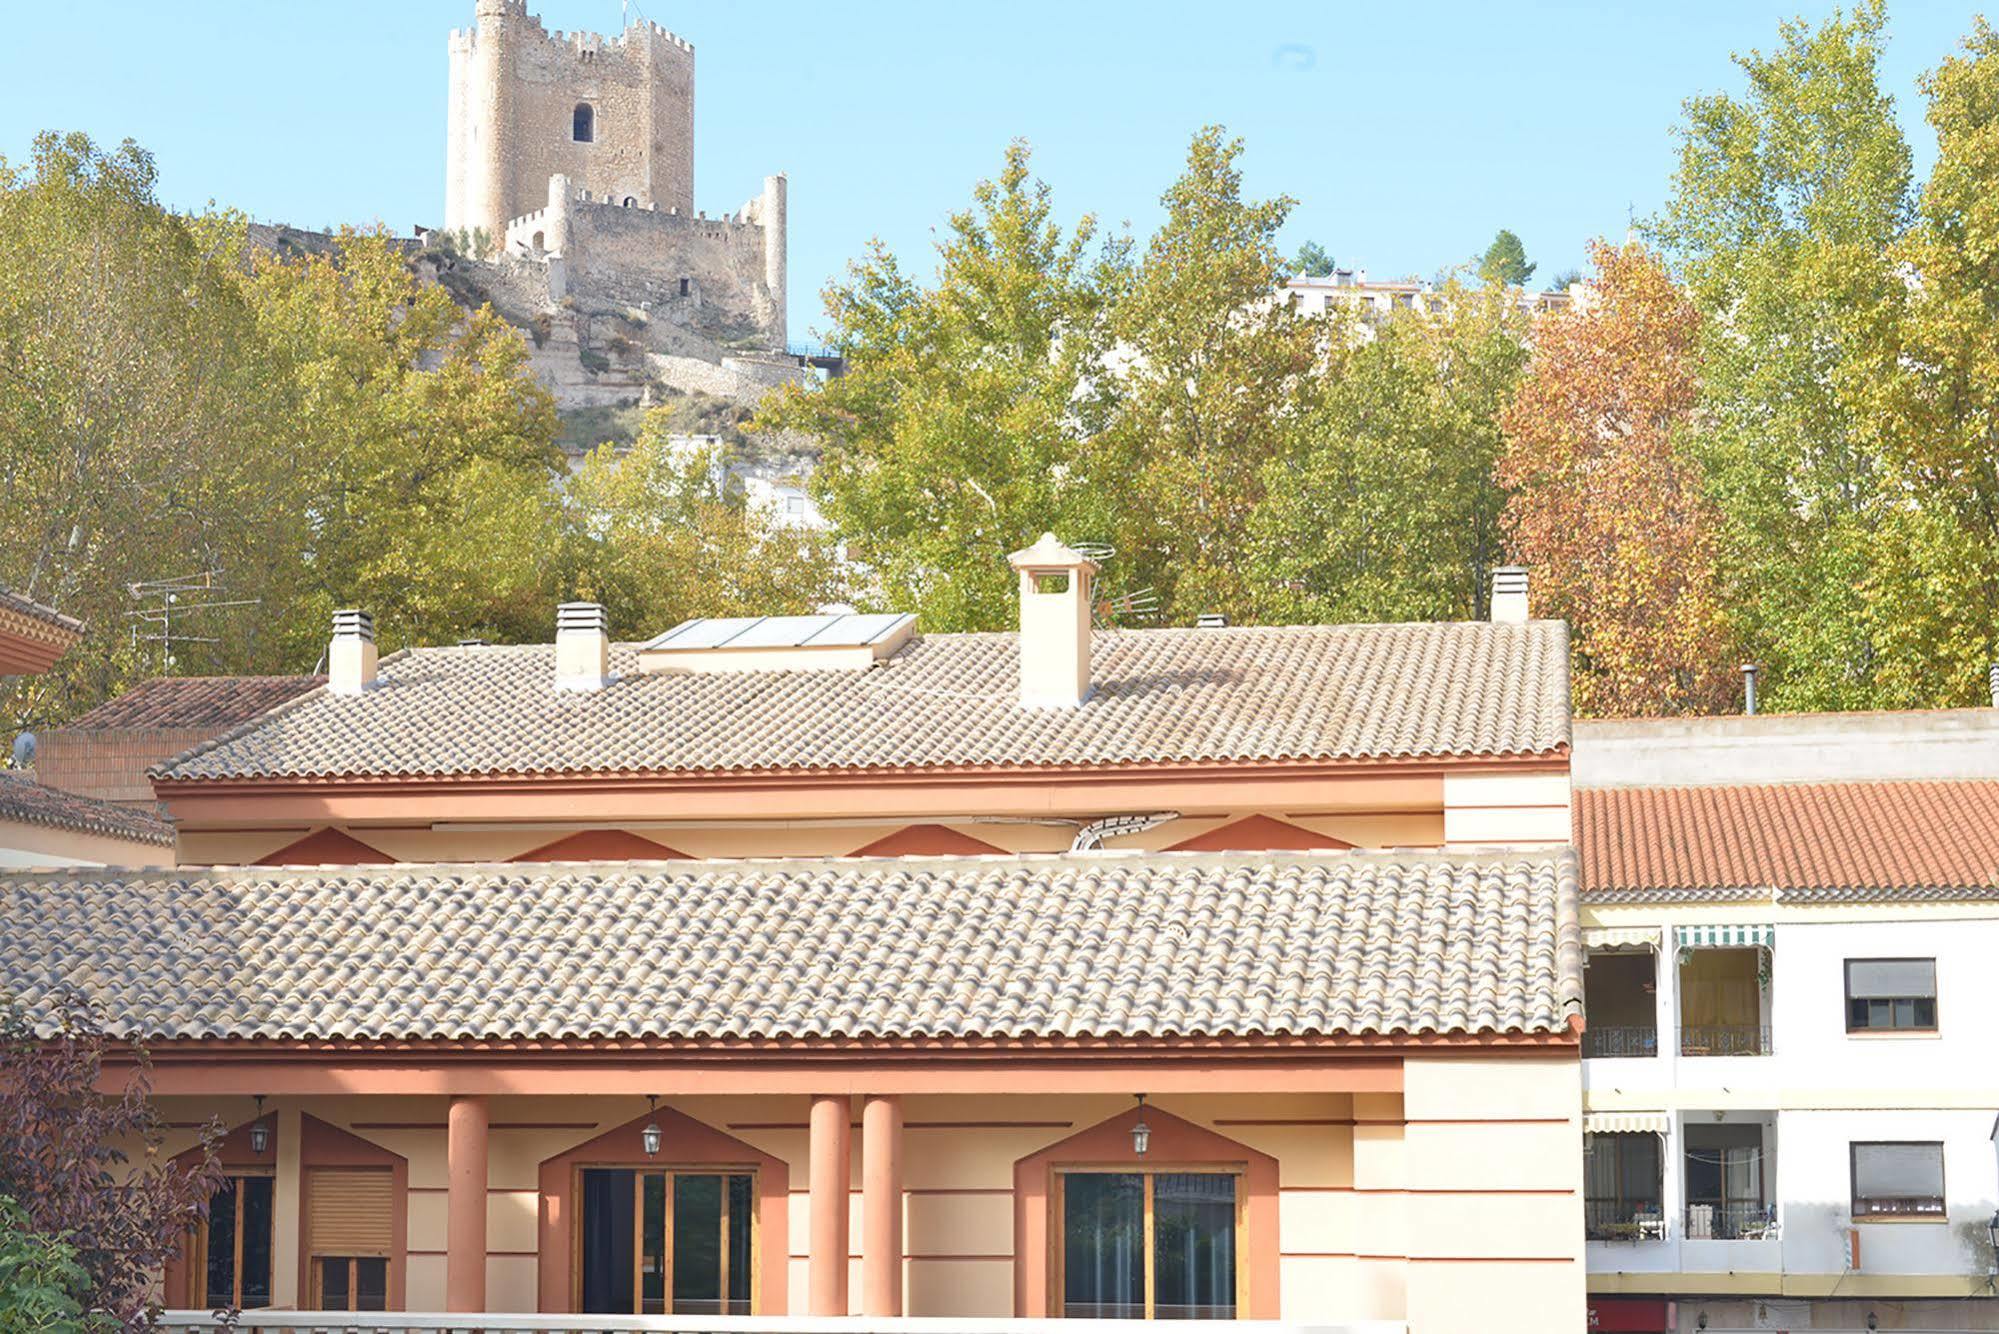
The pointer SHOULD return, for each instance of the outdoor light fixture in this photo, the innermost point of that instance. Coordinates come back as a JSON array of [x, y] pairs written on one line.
[[649, 1137], [1141, 1133], [260, 1134]]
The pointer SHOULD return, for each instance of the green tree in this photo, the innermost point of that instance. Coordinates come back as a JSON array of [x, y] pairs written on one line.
[[1786, 202], [665, 536], [138, 433], [1505, 261], [42, 1287], [1208, 373], [1384, 505], [1312, 260], [966, 421], [1923, 398]]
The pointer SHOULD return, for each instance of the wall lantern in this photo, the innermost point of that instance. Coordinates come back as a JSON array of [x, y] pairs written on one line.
[[260, 1134], [649, 1137], [1141, 1133]]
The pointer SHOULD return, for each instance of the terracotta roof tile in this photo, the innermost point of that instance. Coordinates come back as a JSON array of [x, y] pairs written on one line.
[[1187, 944], [1804, 840], [193, 702], [33, 610], [25, 801], [1245, 693]]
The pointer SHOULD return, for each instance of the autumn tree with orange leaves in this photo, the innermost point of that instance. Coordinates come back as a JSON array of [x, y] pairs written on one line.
[[1606, 507]]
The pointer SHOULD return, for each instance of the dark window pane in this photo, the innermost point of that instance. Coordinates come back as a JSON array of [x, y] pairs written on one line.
[[1856, 1013], [222, 1246], [256, 1241], [1193, 1246], [371, 1284], [697, 1245], [607, 1242], [1103, 1241], [652, 1241], [742, 1211], [333, 1286], [1926, 1012]]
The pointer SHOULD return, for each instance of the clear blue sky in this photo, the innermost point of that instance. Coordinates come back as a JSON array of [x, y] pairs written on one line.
[[1409, 132]]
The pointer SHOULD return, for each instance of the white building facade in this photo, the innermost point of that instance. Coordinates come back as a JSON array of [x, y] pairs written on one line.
[[1791, 1064]]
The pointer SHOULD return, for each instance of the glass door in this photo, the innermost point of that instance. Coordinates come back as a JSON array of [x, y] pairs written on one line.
[[1148, 1245], [666, 1242]]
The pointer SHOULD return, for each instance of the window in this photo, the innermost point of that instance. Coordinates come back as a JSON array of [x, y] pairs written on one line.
[[1621, 999], [1721, 993], [1891, 994], [1621, 1187], [686, 286], [666, 1243], [232, 1253], [1152, 1245], [583, 123], [1898, 1180], [349, 1214], [631, 201], [794, 506], [1724, 1174]]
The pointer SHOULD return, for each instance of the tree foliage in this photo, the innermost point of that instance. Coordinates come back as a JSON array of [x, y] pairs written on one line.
[[1505, 261], [1607, 508], [1786, 202], [1312, 261], [65, 1162], [42, 1287]]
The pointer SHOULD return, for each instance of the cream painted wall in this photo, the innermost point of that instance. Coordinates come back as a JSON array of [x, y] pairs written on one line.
[[1510, 809], [1389, 829], [1360, 1187], [39, 847]]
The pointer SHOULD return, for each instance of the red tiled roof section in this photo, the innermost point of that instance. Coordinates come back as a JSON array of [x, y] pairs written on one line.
[[1792, 836], [194, 701]]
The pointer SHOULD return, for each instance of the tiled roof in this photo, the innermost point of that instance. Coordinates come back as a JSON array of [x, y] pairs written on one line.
[[1933, 839], [33, 610], [1189, 944], [193, 702], [24, 801], [1246, 693]]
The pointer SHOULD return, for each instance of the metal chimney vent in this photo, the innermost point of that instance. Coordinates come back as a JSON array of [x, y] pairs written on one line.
[[1212, 620], [1749, 687], [354, 624]]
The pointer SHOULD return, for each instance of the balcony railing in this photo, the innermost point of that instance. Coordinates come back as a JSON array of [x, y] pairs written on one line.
[[1623, 1220], [1632, 1041], [1723, 1040], [1731, 1222], [401, 1322]]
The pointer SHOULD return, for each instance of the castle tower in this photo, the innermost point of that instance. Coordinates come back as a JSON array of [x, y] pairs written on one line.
[[616, 116]]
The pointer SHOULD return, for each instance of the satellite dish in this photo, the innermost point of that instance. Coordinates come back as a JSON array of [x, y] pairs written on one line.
[[24, 751]]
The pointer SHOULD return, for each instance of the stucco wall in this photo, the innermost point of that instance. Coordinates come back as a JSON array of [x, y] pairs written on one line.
[[232, 847], [41, 846], [1456, 1210]]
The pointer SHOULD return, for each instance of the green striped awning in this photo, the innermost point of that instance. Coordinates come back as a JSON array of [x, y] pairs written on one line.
[[1730, 937]]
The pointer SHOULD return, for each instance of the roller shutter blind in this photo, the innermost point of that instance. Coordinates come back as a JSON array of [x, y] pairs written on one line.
[[351, 1210]]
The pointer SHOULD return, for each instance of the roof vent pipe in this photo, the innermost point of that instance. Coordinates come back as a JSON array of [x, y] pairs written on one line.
[[1992, 679], [1749, 687], [582, 647], [351, 657], [1055, 604], [1509, 595]]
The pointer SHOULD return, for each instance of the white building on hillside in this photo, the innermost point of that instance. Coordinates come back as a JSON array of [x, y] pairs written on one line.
[[1352, 289], [1791, 1060]]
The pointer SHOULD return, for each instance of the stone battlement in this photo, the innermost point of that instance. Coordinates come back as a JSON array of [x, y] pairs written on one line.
[[578, 41]]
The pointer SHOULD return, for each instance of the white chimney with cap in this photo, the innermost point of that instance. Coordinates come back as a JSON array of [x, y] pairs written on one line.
[[1509, 595], [1055, 606], [351, 657], [582, 647]]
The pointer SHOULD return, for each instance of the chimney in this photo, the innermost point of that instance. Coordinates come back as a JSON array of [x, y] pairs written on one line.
[[1054, 624], [1509, 595], [1749, 687], [350, 658], [582, 648]]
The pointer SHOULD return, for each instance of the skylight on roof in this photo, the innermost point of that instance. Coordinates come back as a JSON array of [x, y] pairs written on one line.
[[833, 641]]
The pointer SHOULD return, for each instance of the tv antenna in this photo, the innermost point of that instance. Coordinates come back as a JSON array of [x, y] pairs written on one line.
[[165, 600], [1140, 604]]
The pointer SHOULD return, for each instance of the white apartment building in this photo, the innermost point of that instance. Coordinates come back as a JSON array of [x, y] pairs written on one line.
[[1378, 298], [1791, 1060]]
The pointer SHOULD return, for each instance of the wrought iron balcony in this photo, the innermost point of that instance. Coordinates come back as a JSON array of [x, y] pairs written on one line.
[[1630, 1041], [1724, 1040]]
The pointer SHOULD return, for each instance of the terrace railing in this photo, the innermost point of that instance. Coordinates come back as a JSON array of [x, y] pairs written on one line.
[[1613, 1041], [1723, 1040]]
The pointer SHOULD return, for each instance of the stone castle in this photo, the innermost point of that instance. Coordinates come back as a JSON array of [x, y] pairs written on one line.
[[569, 205]]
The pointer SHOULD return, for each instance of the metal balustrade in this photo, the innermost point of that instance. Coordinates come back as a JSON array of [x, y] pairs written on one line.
[[1613, 1041], [1724, 1040]]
